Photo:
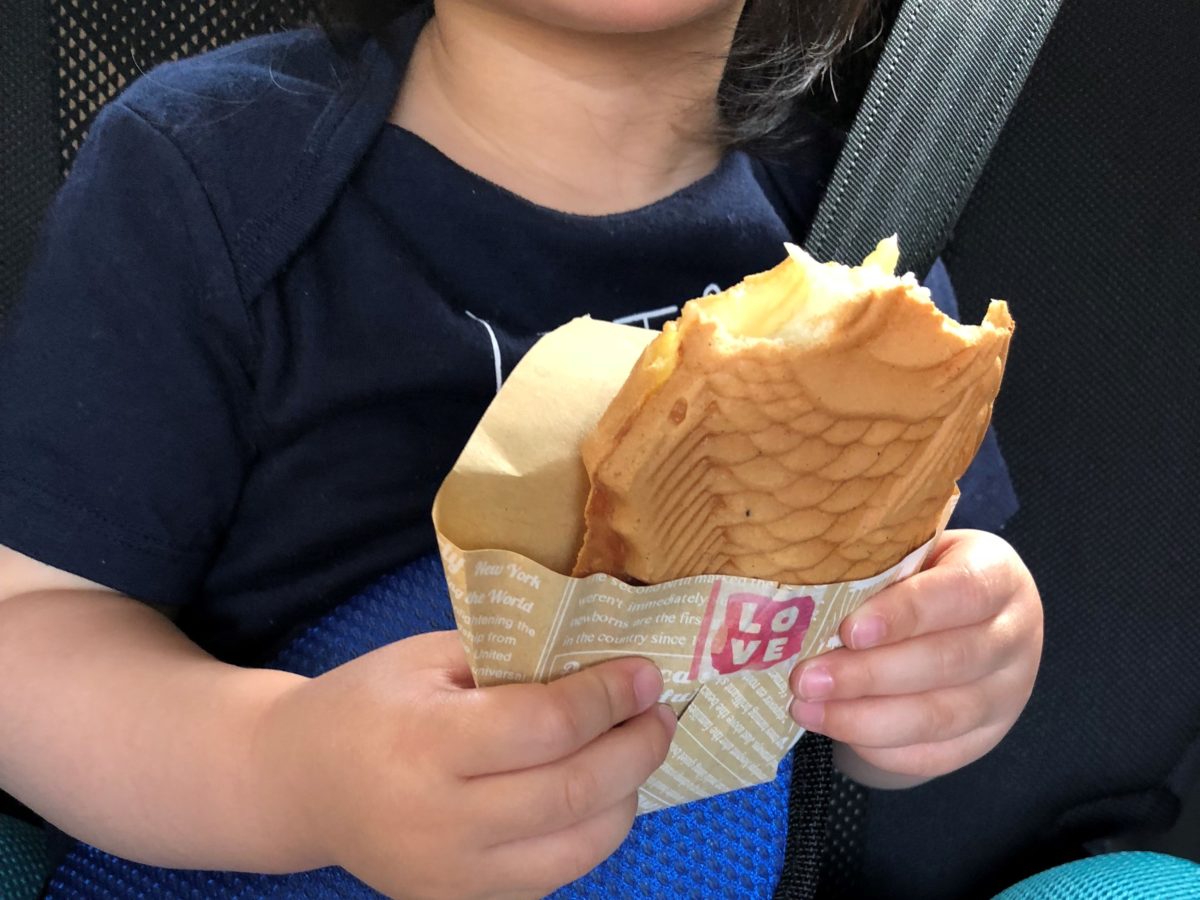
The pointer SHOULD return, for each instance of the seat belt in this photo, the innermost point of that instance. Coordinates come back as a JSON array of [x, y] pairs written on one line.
[[947, 80], [948, 77]]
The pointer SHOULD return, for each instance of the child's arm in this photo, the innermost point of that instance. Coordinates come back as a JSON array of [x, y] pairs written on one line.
[[936, 669], [121, 731], [124, 733]]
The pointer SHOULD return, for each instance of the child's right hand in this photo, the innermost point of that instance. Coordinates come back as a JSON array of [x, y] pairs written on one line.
[[397, 768]]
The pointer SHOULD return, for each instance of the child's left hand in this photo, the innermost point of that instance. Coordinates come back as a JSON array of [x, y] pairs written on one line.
[[953, 653]]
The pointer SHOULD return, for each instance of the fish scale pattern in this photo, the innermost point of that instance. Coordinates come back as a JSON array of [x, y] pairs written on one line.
[[816, 492], [763, 459]]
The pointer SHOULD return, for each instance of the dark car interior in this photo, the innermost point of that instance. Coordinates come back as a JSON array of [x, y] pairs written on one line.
[[1086, 218]]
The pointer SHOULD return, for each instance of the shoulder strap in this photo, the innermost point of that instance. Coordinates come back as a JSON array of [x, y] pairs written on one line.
[[948, 77]]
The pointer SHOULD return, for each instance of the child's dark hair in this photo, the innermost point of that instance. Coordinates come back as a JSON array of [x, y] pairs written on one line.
[[780, 48]]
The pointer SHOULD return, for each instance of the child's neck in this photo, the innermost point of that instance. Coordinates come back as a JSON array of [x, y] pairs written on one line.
[[581, 122]]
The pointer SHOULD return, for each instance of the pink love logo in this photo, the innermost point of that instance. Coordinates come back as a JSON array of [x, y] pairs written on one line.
[[760, 631]]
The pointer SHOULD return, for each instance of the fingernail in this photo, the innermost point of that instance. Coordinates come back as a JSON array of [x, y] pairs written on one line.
[[809, 716], [668, 718], [816, 683], [647, 686], [867, 632]]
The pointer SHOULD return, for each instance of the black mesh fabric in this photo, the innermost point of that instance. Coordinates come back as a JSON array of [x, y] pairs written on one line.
[[808, 808], [29, 170], [102, 46], [1087, 220], [845, 830], [62, 60]]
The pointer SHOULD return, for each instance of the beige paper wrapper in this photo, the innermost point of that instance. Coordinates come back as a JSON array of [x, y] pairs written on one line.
[[725, 645]]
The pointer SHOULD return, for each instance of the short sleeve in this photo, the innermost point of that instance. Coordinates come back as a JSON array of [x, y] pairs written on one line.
[[988, 500], [125, 375]]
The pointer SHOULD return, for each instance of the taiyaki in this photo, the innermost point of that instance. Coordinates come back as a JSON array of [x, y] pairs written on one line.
[[806, 426]]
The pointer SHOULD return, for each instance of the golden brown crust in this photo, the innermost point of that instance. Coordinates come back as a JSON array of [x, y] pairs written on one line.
[[813, 462]]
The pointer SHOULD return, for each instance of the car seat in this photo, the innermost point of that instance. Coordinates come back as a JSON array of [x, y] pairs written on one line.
[[1086, 220]]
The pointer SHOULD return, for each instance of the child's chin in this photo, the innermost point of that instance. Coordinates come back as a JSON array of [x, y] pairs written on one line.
[[623, 16]]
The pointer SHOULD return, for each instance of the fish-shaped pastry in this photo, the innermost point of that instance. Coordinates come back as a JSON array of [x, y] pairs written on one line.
[[806, 426]]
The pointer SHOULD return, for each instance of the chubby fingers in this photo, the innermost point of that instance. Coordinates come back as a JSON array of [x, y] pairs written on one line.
[[936, 668], [547, 861], [519, 726], [929, 717], [561, 794], [973, 576], [925, 663]]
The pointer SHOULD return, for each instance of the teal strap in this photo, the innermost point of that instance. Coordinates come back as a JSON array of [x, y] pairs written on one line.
[[948, 77], [24, 861]]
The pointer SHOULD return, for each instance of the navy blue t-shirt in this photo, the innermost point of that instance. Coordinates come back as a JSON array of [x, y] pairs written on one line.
[[263, 322]]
